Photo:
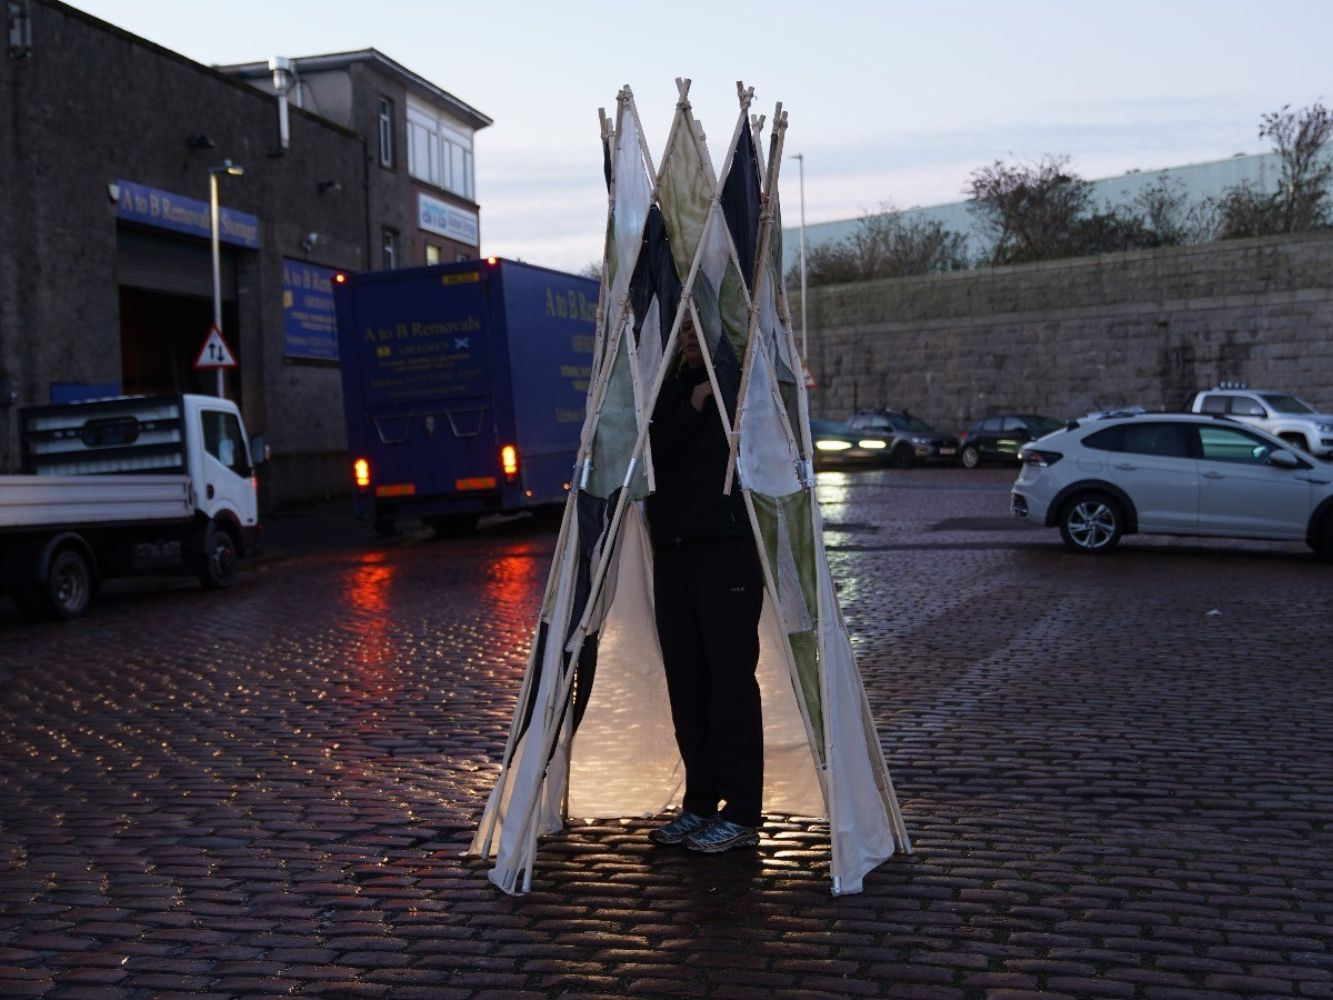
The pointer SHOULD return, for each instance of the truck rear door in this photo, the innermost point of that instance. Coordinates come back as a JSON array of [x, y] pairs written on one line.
[[422, 372]]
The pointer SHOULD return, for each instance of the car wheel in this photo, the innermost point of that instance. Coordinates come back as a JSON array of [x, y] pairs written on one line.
[[1321, 538], [1091, 523], [69, 585], [1297, 439], [219, 566], [901, 456], [970, 457]]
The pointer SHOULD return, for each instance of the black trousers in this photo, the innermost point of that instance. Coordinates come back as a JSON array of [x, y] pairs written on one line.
[[708, 595]]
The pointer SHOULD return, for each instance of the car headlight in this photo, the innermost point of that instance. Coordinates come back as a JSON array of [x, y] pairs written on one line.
[[832, 445], [873, 443], [1326, 428], [920, 440]]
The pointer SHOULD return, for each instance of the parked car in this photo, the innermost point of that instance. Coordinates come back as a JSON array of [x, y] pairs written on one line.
[[997, 439], [1291, 419], [1172, 474], [837, 445], [912, 439]]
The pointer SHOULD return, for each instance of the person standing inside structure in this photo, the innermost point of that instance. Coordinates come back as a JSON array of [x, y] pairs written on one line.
[[708, 593]]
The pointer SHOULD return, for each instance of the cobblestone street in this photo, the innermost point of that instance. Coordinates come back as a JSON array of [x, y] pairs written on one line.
[[1117, 773]]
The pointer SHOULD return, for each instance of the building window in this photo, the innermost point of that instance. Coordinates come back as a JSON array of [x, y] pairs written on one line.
[[432, 253], [438, 151], [460, 256], [386, 132], [388, 249]]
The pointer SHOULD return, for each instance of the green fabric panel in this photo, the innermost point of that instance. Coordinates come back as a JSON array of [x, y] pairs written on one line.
[[687, 190], [796, 512], [616, 433], [766, 513], [735, 313], [805, 652], [706, 305]]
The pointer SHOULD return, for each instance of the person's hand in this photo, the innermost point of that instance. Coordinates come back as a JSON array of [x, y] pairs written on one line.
[[701, 392]]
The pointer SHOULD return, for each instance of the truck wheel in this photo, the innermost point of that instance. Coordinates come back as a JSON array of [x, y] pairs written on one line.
[[69, 585], [1297, 439], [219, 567]]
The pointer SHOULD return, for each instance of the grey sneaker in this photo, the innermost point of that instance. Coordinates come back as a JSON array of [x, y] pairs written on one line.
[[679, 828], [722, 835]]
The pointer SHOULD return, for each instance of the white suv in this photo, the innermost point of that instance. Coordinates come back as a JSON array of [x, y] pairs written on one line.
[[1293, 420], [1172, 474]]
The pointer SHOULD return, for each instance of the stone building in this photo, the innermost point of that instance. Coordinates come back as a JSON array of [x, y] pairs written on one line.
[[422, 205], [107, 146]]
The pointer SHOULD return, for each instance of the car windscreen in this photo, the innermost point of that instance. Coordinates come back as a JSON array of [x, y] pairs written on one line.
[[1286, 404], [914, 425], [1042, 425]]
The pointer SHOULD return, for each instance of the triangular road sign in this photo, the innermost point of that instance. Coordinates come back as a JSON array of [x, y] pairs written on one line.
[[215, 352]]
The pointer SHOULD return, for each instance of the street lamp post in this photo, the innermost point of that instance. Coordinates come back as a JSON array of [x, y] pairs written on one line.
[[805, 346], [213, 173]]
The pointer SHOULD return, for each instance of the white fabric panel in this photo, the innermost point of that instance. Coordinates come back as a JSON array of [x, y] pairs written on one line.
[[527, 792], [767, 459], [650, 349], [715, 255], [633, 196], [791, 780], [624, 760], [773, 331], [859, 821]]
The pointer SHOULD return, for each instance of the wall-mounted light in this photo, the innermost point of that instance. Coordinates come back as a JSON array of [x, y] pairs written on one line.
[[324, 187], [309, 242], [200, 141]]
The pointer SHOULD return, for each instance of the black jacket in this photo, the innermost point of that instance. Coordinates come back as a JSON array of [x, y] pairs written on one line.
[[690, 463]]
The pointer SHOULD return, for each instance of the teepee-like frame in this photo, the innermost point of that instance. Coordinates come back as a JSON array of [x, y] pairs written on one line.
[[569, 625]]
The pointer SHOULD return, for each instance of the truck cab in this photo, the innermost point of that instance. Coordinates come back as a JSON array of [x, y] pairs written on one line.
[[123, 486], [1282, 414]]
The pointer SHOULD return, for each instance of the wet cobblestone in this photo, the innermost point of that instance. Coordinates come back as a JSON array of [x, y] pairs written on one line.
[[1117, 773]]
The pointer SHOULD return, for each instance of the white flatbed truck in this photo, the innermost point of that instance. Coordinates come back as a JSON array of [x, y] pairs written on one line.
[[124, 486]]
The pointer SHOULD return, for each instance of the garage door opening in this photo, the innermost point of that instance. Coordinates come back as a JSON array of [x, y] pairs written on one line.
[[160, 337]]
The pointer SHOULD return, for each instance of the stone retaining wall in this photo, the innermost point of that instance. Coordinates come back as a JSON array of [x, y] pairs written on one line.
[[1069, 336]]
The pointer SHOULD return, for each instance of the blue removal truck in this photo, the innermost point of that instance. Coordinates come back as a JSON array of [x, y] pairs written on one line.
[[464, 387]]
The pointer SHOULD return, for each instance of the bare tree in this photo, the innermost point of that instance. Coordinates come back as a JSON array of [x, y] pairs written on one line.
[[1302, 199], [591, 270], [1169, 217], [1299, 137], [1029, 210], [885, 245]]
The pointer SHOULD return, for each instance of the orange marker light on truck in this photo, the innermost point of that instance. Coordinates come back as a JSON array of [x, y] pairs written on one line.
[[361, 472], [509, 460], [340, 278]]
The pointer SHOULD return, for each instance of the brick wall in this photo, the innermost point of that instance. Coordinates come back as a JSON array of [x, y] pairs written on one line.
[[94, 104], [1066, 337]]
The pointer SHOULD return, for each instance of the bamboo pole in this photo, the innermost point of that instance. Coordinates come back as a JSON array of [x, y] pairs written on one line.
[[761, 272], [525, 688], [597, 395]]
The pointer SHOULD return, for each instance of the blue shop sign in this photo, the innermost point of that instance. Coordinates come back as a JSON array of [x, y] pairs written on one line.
[[167, 210], [309, 327]]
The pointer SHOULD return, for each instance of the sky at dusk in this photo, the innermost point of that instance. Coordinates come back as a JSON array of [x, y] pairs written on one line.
[[889, 102]]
